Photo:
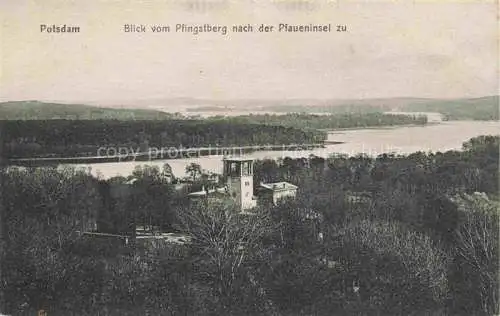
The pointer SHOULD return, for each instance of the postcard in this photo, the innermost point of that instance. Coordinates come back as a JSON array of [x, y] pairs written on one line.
[[252, 157]]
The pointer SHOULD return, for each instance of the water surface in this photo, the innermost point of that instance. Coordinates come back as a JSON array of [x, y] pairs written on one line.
[[401, 140]]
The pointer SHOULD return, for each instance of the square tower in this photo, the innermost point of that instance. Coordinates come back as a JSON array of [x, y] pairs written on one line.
[[238, 175]]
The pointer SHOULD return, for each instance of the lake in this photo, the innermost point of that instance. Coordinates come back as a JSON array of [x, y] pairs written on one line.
[[442, 136]]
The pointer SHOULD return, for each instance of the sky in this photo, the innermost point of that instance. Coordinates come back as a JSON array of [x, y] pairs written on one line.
[[431, 49]]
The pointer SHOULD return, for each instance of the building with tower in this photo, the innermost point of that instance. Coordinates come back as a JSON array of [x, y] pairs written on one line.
[[238, 175]]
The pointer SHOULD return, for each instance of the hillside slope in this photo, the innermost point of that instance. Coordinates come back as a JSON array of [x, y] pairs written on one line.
[[485, 108], [35, 110]]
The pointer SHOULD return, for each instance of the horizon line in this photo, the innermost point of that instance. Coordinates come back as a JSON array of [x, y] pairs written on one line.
[[80, 102]]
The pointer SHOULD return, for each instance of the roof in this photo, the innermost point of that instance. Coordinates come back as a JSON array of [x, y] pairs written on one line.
[[204, 192], [132, 181], [238, 158], [278, 186]]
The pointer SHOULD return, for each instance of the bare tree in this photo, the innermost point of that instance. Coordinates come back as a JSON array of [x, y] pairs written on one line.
[[477, 246], [223, 241], [382, 258]]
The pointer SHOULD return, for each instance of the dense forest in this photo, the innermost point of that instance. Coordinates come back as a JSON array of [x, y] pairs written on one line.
[[330, 109], [386, 235], [70, 138], [338, 121], [297, 108]]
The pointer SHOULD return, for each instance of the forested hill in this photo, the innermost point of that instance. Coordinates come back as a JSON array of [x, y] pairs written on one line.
[[86, 129], [73, 138], [35, 110], [485, 108]]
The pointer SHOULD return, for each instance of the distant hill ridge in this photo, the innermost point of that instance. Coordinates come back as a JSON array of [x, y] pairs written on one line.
[[254, 103], [36, 110], [482, 108]]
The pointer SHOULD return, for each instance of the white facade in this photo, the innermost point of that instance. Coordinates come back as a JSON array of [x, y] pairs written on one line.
[[278, 191], [238, 175]]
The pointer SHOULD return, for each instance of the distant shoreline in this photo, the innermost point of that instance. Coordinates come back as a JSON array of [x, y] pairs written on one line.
[[196, 152], [331, 131], [179, 154]]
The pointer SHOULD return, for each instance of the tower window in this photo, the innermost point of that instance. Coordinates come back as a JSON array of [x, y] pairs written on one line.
[[247, 168], [247, 183]]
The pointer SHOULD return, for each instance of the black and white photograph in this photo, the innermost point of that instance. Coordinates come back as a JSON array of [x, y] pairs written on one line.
[[249, 157]]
